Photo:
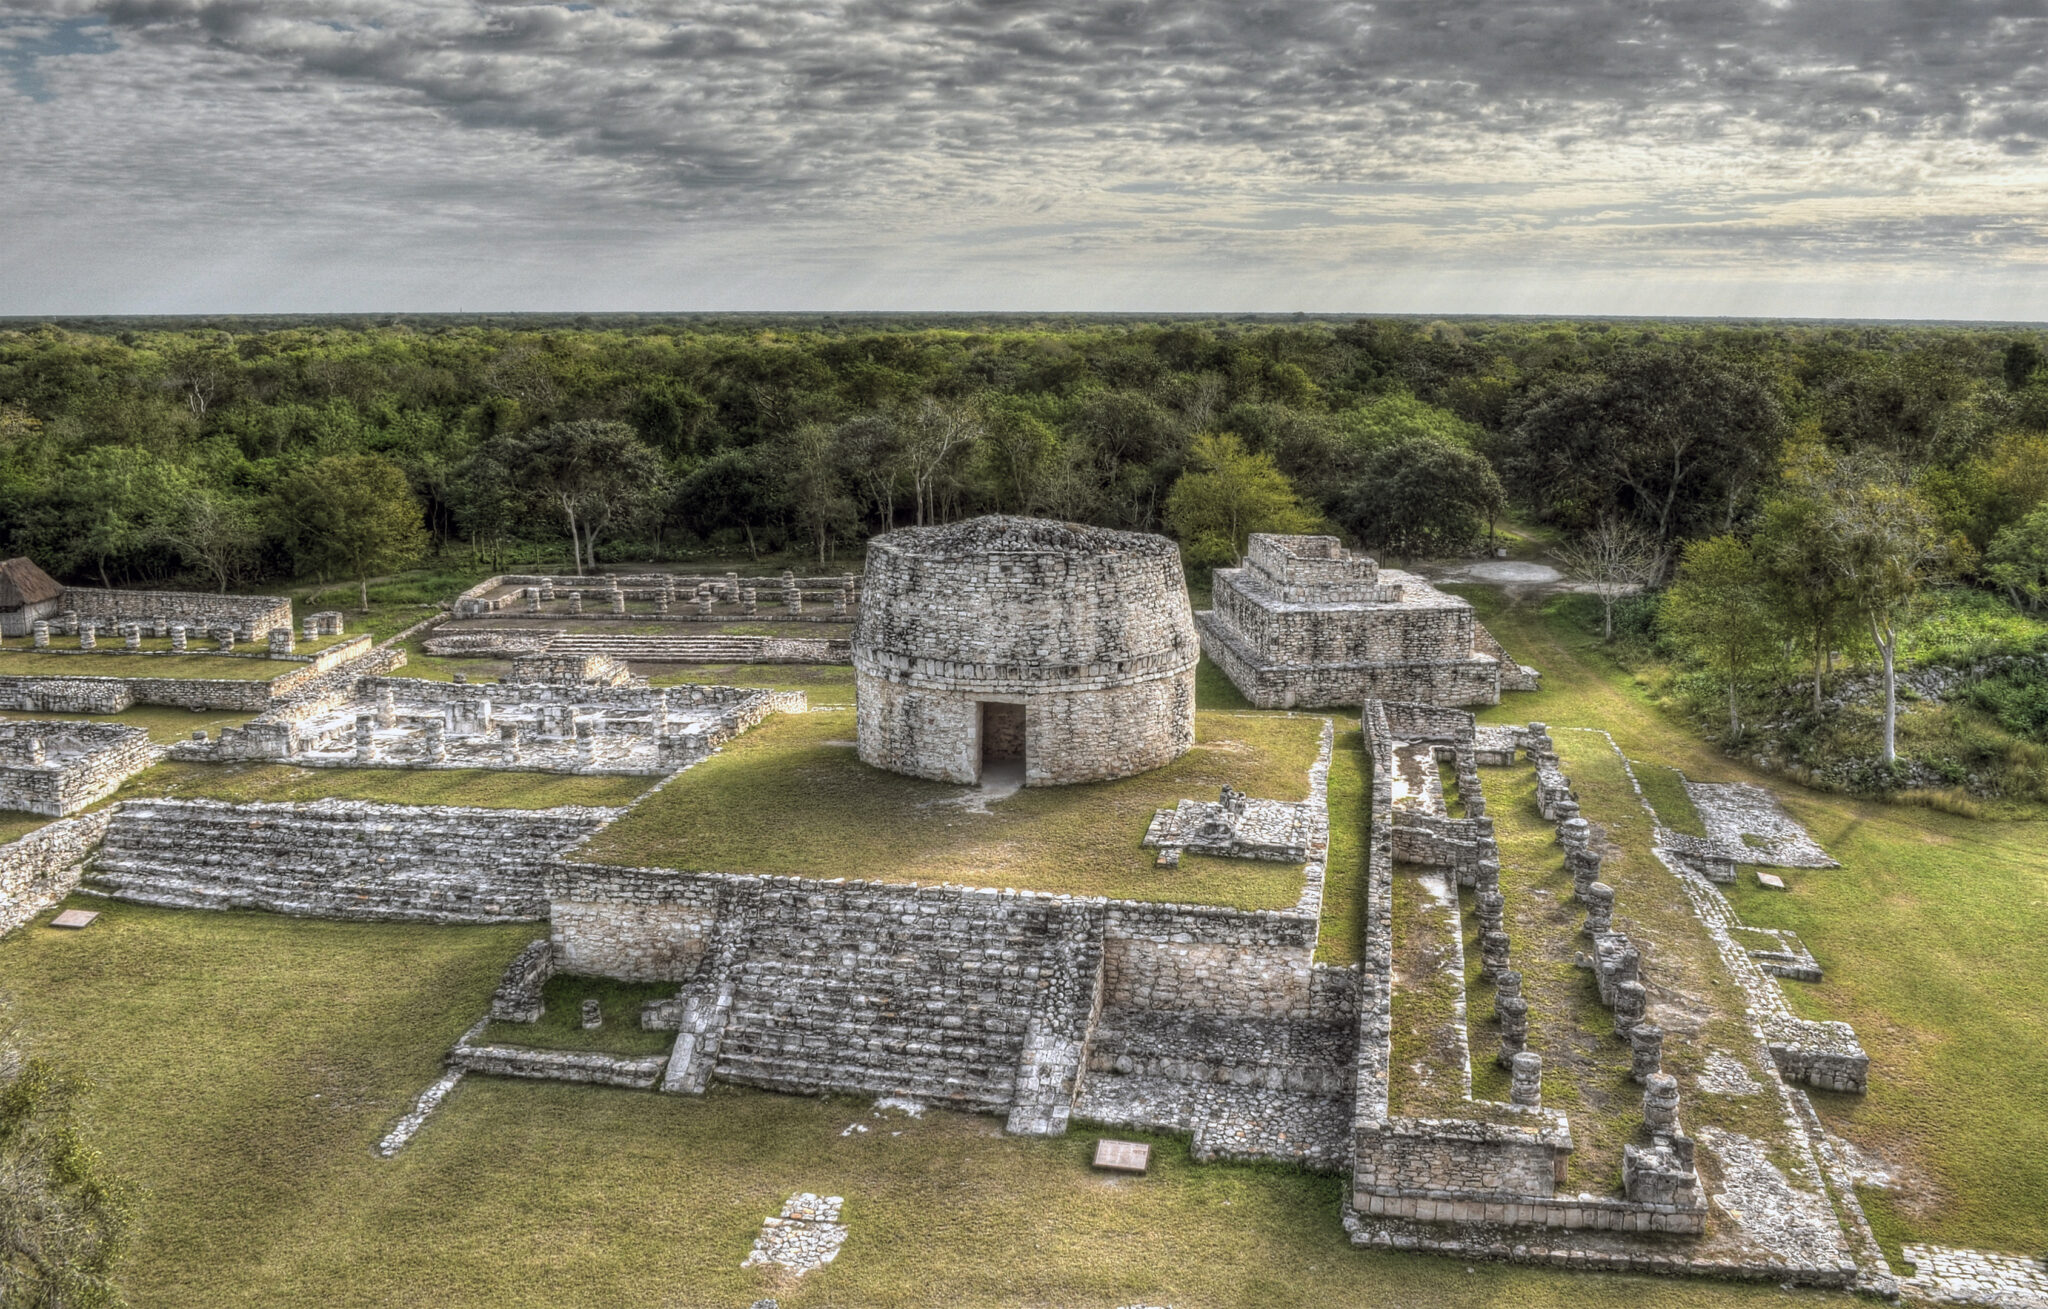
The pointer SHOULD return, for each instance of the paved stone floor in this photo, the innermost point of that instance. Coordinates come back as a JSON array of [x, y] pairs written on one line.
[[1976, 1277], [1733, 810], [806, 1236]]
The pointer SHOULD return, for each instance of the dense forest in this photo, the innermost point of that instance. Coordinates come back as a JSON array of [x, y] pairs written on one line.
[[1788, 493]]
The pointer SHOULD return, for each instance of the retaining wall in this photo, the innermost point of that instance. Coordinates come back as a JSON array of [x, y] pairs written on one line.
[[42, 868]]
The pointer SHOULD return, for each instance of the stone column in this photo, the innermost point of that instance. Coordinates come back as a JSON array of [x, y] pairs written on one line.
[[161, 627], [35, 750], [1486, 877], [483, 716], [795, 599], [1660, 1104], [310, 628], [586, 741], [366, 742], [41, 632], [508, 739], [1585, 869], [1493, 955], [1574, 833], [618, 601], [1646, 1053], [433, 741], [661, 605], [840, 602], [592, 1016], [1631, 1001], [1526, 1088], [532, 599], [131, 637], [575, 602], [333, 625], [1513, 1013], [1566, 810], [387, 708], [227, 640], [1599, 909], [547, 588], [749, 602], [87, 638], [178, 637], [1491, 911], [732, 588], [280, 642]]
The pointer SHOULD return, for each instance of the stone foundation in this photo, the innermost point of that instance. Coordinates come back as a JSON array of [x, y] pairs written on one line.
[[58, 768]]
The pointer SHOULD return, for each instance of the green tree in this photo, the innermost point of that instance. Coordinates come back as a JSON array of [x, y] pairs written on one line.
[[817, 492], [2018, 560], [595, 473], [1225, 496], [64, 1219], [1888, 548], [353, 515], [1803, 580], [1717, 609], [1422, 496]]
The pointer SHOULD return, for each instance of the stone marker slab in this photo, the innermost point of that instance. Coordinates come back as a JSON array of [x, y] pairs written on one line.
[[1771, 880], [1122, 1156], [74, 918]]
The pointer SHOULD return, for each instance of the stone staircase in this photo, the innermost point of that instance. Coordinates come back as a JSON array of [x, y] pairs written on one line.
[[338, 859], [629, 647], [877, 997]]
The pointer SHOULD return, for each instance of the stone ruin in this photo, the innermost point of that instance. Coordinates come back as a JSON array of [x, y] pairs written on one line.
[[58, 768], [1067, 649], [562, 714], [1302, 622], [1235, 826]]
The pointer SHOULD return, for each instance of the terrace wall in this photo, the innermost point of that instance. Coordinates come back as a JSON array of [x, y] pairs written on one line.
[[42, 868]]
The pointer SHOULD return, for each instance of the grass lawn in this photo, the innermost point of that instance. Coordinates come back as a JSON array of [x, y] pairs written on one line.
[[246, 1064], [1934, 938], [163, 722], [17, 823], [790, 797], [561, 1021], [823, 683], [114, 663], [1342, 934], [483, 787]]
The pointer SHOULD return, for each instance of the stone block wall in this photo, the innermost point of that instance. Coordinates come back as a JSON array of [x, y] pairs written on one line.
[[1458, 1158], [254, 613], [1473, 680], [58, 768], [42, 868], [1089, 629], [339, 859], [1220, 962], [110, 695]]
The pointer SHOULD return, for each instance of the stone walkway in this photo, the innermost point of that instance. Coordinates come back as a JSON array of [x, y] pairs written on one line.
[[2008, 1281], [1734, 810], [807, 1236]]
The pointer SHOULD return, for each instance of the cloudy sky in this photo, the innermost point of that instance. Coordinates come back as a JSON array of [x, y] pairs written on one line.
[[1874, 158]]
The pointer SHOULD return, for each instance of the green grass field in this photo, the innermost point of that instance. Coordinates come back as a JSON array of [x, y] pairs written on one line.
[[790, 797], [482, 787], [163, 723], [1934, 938], [113, 662], [246, 1064]]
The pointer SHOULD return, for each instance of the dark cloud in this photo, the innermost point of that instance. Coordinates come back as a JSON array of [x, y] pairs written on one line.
[[1471, 133]]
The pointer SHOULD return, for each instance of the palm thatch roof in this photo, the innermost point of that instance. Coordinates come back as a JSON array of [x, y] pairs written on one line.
[[22, 583]]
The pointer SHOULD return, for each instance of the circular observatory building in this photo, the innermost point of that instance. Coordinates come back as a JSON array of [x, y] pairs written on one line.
[[1000, 645]]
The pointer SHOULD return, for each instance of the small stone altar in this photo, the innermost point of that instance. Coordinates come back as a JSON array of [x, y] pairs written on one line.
[[1233, 826]]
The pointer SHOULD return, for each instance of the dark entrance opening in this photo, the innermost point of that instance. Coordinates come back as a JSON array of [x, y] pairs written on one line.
[[1002, 736]]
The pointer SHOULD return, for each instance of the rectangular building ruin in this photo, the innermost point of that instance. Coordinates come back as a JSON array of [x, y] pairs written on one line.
[[1304, 623], [58, 768]]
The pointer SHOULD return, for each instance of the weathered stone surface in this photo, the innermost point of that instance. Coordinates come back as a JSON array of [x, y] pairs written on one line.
[[58, 768], [1088, 629], [42, 868], [1304, 623]]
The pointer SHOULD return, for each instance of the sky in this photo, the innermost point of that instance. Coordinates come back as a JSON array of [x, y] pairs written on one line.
[[1795, 158]]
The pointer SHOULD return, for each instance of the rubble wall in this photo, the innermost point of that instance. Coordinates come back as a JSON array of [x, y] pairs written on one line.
[[42, 868]]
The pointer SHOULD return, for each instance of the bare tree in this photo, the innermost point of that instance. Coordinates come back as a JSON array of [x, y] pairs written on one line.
[[215, 533], [938, 433], [1615, 559]]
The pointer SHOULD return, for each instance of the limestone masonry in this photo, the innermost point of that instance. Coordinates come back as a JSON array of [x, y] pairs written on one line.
[[1305, 623], [1070, 649], [58, 768]]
